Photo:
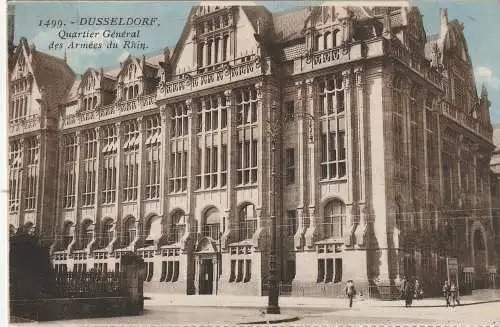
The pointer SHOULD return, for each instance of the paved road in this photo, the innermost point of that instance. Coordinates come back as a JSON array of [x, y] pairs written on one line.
[[477, 314]]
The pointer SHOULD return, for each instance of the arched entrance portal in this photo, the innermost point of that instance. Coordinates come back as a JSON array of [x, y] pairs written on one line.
[[480, 260]]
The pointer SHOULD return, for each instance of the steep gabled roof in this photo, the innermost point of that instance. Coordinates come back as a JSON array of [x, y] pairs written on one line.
[[290, 25], [260, 18], [53, 75]]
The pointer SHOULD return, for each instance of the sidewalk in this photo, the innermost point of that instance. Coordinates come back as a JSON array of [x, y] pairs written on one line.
[[162, 299]]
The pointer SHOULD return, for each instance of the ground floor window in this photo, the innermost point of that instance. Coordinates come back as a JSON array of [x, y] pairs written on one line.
[[241, 271], [80, 267], [149, 271], [169, 271], [101, 267], [61, 268], [329, 270]]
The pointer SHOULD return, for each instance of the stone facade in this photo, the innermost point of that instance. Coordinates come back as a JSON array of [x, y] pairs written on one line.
[[363, 136]]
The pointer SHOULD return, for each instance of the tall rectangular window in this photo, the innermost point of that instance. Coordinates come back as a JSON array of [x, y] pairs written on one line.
[[290, 166], [152, 162], [89, 166], [70, 157], [332, 128], [212, 119], [109, 153], [131, 160], [223, 164], [321, 271], [246, 110], [32, 161], [211, 167], [178, 148], [15, 168]]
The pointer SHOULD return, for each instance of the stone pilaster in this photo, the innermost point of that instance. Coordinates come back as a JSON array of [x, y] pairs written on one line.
[[312, 166]]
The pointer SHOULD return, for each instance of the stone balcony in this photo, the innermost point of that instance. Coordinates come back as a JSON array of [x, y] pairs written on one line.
[[111, 111], [226, 74], [467, 121], [25, 125]]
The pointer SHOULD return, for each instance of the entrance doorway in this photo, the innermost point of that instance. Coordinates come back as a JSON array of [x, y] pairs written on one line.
[[206, 278]]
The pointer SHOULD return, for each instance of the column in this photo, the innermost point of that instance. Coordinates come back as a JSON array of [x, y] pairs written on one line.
[[164, 157], [118, 187], [23, 180], [202, 143], [191, 110], [231, 168], [350, 138], [97, 189], [140, 181], [312, 165], [59, 193], [78, 188], [301, 154], [361, 150], [262, 115], [219, 141]]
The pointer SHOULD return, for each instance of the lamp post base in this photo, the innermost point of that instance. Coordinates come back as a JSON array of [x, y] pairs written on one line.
[[273, 309]]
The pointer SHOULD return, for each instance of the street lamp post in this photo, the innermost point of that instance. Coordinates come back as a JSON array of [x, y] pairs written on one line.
[[274, 130]]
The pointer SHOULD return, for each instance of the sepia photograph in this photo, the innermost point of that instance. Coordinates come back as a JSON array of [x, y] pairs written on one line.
[[251, 163]]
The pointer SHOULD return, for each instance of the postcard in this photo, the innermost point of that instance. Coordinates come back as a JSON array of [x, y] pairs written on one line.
[[225, 163]]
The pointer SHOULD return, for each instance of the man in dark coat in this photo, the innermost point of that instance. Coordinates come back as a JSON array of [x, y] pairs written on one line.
[[350, 291]]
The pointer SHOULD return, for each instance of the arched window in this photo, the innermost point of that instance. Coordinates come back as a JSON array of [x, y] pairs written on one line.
[[327, 40], [336, 39], [107, 232], [153, 230], [334, 219], [178, 226], [87, 233], [211, 224], [129, 231], [67, 234], [247, 221], [136, 91], [225, 47], [318, 42]]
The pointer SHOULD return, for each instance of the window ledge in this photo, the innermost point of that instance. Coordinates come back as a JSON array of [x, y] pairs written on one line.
[[334, 180], [244, 186]]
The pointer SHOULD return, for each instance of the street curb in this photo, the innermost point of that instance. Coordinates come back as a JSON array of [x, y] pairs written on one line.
[[275, 320]]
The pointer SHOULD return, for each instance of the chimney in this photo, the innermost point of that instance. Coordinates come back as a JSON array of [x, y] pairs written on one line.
[[444, 22]]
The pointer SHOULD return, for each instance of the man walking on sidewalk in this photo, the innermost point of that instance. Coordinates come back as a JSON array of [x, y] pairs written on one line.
[[454, 294], [350, 291], [446, 292]]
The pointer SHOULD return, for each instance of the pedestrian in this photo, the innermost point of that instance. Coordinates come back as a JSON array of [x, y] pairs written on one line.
[[350, 291], [454, 294], [408, 292], [419, 291], [446, 292]]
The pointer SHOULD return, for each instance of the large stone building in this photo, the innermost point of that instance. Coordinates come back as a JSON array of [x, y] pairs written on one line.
[[495, 194], [362, 135]]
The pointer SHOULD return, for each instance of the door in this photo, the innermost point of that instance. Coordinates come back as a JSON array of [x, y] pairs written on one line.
[[206, 278]]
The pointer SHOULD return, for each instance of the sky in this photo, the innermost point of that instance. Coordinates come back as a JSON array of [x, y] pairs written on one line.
[[479, 19]]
